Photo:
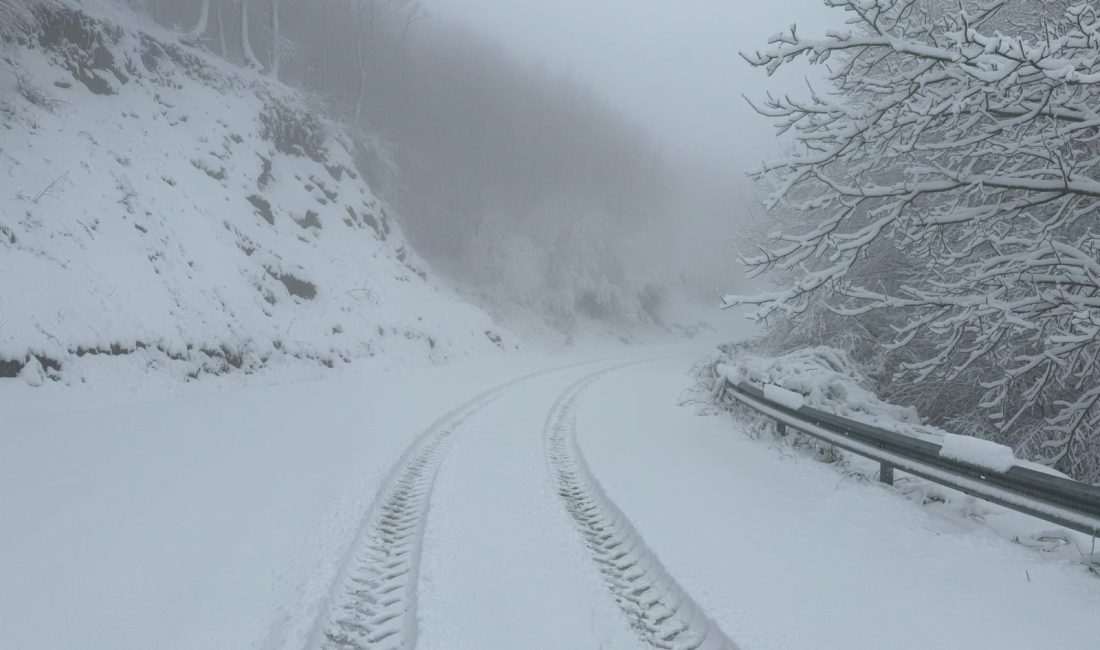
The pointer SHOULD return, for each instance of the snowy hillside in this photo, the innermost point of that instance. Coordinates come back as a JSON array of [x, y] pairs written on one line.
[[162, 210]]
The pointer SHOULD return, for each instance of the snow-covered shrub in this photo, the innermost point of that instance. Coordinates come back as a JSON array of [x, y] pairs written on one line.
[[293, 129], [564, 265], [17, 17], [33, 93], [822, 377]]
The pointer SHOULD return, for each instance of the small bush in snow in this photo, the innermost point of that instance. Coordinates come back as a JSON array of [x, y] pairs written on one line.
[[16, 16], [31, 92], [293, 130]]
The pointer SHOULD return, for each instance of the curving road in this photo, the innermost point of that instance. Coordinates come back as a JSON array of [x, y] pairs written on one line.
[[521, 581], [495, 531], [579, 506]]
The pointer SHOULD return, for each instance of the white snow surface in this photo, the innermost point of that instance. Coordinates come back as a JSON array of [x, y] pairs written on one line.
[[218, 515], [781, 395], [165, 224], [786, 554], [503, 565], [206, 518], [977, 452]]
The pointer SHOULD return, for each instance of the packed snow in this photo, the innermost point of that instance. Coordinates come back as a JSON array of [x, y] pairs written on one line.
[[780, 395], [978, 452]]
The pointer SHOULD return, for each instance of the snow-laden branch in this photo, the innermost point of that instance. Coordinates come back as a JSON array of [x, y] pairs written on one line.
[[969, 142]]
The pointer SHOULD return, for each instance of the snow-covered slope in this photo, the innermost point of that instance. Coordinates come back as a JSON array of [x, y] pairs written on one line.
[[163, 210]]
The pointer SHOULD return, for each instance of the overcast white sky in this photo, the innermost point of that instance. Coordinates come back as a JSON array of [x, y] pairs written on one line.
[[671, 66]]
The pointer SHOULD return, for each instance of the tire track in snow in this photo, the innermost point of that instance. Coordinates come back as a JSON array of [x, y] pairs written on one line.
[[372, 605], [657, 607]]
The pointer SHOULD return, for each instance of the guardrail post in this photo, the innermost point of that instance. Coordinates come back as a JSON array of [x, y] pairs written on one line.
[[886, 473], [781, 427]]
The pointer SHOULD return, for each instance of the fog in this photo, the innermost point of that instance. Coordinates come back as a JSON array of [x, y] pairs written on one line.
[[674, 68], [567, 160]]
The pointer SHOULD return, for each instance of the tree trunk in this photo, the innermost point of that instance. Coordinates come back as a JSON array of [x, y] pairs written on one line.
[[276, 50], [200, 27], [221, 33], [324, 44], [363, 56], [250, 59]]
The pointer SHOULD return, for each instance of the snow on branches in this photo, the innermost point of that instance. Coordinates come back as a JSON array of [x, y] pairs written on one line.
[[967, 136]]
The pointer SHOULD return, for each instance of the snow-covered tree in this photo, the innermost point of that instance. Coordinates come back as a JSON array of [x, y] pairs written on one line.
[[965, 135]]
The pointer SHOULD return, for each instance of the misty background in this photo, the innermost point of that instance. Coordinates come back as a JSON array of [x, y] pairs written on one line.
[[582, 162]]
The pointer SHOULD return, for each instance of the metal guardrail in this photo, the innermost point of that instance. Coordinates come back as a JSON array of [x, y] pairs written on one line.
[[1058, 500]]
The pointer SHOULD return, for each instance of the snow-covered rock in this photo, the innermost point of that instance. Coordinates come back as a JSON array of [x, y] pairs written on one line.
[[162, 208]]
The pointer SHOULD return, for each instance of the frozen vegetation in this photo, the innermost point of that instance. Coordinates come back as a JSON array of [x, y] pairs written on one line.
[[937, 213], [361, 325], [165, 212]]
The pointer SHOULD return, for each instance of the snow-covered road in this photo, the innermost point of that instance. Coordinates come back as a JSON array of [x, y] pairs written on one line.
[[503, 566], [239, 519]]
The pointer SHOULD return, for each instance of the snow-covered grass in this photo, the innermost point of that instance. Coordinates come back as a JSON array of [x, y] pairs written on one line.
[[165, 212]]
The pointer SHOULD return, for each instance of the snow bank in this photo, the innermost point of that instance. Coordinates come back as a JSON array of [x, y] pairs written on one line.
[[977, 452], [164, 211]]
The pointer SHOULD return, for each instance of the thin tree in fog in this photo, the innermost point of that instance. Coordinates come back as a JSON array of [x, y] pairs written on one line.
[[201, 24], [250, 59], [325, 7], [374, 19], [276, 39], [966, 135], [222, 45]]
